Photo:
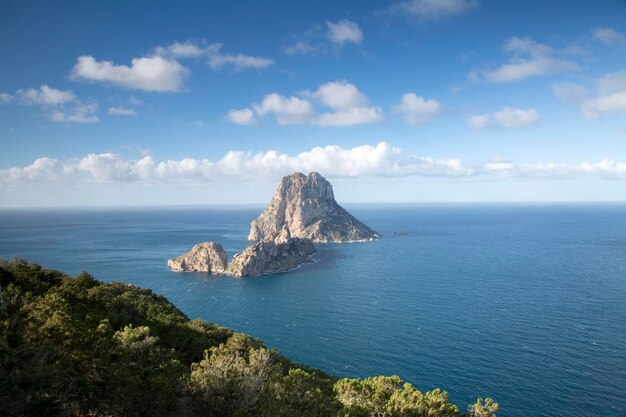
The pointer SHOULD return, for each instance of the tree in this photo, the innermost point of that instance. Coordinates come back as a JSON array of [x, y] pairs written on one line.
[[231, 376], [299, 393], [483, 408]]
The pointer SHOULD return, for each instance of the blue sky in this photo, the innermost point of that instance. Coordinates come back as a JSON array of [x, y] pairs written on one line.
[[151, 102]]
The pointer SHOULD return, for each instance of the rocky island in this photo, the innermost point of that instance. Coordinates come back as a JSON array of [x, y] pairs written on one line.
[[302, 211], [307, 206], [265, 257]]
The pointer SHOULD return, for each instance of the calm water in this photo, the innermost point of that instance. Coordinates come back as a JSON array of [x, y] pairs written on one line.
[[523, 303]]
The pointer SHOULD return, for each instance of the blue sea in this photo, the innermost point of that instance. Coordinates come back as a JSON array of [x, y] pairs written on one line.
[[523, 303]]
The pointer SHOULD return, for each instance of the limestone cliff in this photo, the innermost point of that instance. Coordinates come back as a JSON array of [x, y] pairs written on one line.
[[204, 257], [307, 206], [268, 256]]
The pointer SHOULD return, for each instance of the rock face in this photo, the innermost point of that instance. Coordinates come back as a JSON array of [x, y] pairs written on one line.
[[204, 257], [307, 206], [265, 257], [268, 256]]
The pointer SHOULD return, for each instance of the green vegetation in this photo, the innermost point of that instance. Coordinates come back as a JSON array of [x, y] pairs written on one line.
[[79, 347]]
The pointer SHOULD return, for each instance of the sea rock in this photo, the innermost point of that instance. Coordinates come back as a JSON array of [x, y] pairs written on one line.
[[307, 206], [267, 256], [204, 257]]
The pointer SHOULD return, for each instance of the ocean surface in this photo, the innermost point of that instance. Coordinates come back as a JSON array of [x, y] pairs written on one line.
[[523, 303]]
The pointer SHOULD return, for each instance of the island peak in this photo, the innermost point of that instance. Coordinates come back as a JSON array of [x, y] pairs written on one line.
[[306, 205]]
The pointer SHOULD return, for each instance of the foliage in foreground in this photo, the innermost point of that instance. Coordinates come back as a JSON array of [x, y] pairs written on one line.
[[79, 347]]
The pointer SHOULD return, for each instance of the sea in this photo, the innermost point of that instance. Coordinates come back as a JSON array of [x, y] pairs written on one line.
[[524, 303]]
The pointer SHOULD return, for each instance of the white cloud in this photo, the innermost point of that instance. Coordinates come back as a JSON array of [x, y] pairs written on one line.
[[514, 118], [135, 101], [300, 48], [188, 49], [425, 10], [344, 31], [609, 96], [5, 98], [417, 110], [350, 117], [59, 105], [610, 36], [80, 113], [507, 118], [287, 110], [348, 107], [479, 121], [215, 58], [241, 117], [45, 96], [42, 169], [121, 111], [529, 59], [154, 73], [381, 160], [604, 104], [569, 92], [238, 62], [325, 38], [340, 95]]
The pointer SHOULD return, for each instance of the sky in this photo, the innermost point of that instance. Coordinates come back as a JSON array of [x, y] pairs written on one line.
[[196, 102]]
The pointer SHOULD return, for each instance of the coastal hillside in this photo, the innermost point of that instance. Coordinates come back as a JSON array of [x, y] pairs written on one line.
[[80, 347]]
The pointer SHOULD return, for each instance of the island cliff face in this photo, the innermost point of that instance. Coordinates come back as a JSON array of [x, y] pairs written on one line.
[[307, 206], [265, 257], [204, 257], [269, 256]]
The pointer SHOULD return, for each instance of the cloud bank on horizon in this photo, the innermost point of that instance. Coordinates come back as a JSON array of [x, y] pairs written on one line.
[[381, 160]]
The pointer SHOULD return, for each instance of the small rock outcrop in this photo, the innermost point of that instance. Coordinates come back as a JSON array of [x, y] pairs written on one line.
[[269, 256], [307, 206], [204, 257]]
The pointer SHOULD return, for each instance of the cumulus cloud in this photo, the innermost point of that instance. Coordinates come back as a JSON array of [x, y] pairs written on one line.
[[348, 106], [340, 95], [153, 73], [325, 38], [42, 169], [381, 160], [241, 117], [45, 96], [479, 121], [6, 98], [212, 52], [507, 118], [79, 113], [609, 95], [528, 59], [344, 31], [610, 36], [417, 110], [121, 111], [287, 110], [58, 105], [427, 10], [350, 117]]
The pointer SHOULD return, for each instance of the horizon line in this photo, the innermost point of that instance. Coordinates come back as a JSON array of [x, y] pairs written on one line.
[[354, 203]]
